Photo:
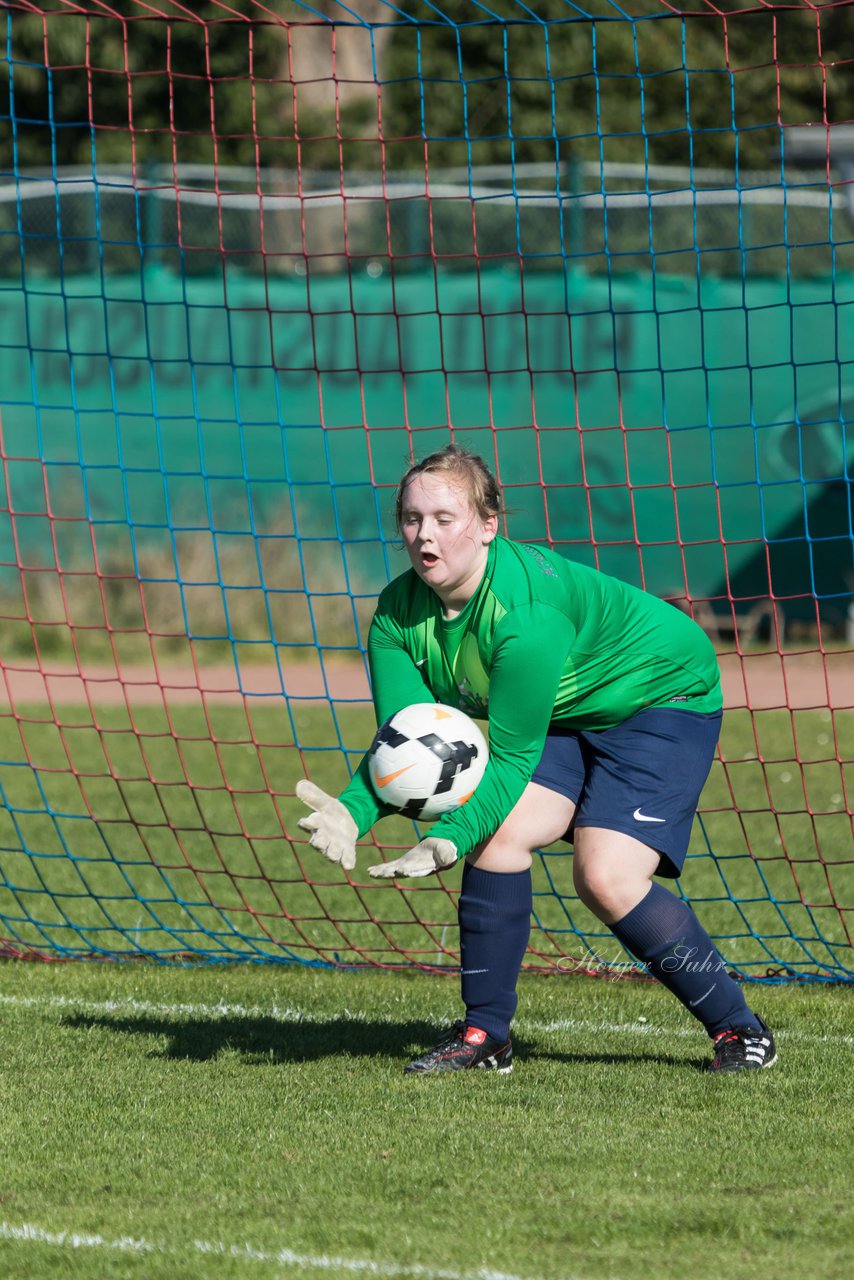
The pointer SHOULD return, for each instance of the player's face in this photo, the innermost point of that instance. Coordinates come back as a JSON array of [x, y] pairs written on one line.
[[445, 537]]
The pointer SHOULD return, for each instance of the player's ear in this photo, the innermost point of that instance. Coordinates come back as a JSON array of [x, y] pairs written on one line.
[[490, 528]]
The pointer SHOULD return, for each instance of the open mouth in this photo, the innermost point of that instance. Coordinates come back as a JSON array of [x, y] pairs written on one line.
[[428, 560]]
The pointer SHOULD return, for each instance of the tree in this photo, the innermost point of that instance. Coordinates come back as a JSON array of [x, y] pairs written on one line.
[[699, 88]]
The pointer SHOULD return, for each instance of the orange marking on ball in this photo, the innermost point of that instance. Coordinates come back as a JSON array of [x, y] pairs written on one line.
[[390, 777]]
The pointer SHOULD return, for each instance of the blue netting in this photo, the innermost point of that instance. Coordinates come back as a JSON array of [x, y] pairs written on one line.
[[608, 247]]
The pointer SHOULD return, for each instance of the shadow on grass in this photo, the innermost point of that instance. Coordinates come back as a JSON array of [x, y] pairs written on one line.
[[264, 1040], [620, 1059], [261, 1040]]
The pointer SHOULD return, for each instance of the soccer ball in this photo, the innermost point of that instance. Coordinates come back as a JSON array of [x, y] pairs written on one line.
[[427, 759]]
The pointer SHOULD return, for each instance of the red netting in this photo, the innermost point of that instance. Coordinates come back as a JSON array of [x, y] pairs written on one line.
[[253, 258]]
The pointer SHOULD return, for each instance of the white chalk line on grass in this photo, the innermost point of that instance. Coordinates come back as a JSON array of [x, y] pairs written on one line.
[[28, 1233], [289, 1014]]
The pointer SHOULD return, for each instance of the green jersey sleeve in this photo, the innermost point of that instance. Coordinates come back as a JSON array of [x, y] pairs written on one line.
[[529, 653], [396, 682]]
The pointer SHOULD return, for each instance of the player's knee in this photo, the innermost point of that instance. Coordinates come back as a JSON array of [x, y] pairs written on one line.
[[607, 889], [538, 819], [503, 851], [591, 884], [598, 888], [611, 871], [493, 858]]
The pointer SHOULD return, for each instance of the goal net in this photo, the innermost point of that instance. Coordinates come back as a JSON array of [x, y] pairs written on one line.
[[254, 258]]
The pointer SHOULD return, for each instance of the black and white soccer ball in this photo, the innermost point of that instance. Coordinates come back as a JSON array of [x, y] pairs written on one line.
[[427, 760]]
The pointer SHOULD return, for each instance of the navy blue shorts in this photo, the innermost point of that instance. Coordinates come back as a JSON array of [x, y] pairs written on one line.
[[642, 777]]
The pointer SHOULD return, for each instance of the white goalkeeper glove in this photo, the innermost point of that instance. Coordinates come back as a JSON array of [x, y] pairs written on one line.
[[428, 857], [331, 828]]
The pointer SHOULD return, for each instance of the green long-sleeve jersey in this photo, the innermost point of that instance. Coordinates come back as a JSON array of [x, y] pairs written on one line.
[[543, 641]]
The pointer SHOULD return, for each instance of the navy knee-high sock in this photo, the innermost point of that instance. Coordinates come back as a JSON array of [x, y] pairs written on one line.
[[664, 933], [495, 923]]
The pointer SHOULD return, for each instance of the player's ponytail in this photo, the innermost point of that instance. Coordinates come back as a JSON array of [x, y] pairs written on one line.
[[459, 467]]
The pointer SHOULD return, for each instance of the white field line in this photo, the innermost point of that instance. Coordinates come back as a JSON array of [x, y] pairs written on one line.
[[289, 1014], [27, 1233]]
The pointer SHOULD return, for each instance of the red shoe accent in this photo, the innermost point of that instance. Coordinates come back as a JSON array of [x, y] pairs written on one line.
[[474, 1035]]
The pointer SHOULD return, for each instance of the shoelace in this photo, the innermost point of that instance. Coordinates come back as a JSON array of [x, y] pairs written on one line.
[[745, 1039], [455, 1036]]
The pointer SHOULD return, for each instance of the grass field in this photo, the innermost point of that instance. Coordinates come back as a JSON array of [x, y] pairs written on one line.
[[216, 1123], [122, 835]]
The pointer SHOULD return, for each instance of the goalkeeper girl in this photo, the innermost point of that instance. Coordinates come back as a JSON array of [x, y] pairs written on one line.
[[604, 709]]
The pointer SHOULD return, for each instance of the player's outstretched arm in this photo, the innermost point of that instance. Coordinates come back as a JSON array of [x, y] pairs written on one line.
[[428, 857], [330, 826]]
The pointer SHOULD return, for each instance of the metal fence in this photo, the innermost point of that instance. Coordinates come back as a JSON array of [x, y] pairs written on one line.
[[620, 218]]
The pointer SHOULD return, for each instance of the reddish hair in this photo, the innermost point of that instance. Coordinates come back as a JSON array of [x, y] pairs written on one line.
[[464, 470]]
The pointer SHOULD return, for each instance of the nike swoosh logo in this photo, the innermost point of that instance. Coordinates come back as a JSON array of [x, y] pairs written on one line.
[[641, 817], [693, 1003], [389, 777]]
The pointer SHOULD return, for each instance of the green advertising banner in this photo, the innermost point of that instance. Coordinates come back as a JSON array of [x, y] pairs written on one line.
[[701, 420]]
